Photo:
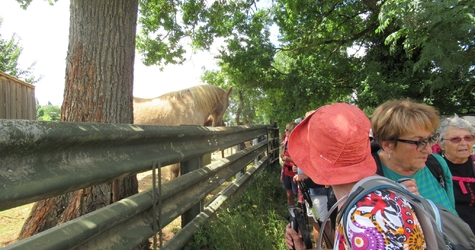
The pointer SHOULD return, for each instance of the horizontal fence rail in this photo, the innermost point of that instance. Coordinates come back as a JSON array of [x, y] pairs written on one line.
[[45, 159], [56, 157]]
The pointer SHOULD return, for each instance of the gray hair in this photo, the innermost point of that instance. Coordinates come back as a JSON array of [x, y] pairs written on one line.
[[453, 121]]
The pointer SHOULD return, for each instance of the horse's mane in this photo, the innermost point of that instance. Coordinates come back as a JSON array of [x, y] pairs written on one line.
[[205, 96]]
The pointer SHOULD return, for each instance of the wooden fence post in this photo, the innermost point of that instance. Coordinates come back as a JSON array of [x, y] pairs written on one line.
[[186, 167]]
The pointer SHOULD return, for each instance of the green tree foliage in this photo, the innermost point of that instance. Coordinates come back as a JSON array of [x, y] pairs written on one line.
[[417, 49], [439, 37], [164, 25], [423, 50], [320, 33], [48, 113], [10, 51]]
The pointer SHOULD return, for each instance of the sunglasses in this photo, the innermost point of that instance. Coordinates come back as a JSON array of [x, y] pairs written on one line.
[[456, 140], [421, 144]]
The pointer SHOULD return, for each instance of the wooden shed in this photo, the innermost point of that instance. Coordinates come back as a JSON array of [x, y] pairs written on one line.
[[17, 98]]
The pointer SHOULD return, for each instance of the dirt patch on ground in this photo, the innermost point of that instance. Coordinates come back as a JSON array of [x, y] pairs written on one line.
[[145, 181], [11, 221]]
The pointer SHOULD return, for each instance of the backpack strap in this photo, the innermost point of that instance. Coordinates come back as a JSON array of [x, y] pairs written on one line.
[[327, 218], [379, 166], [436, 169], [306, 195], [473, 163]]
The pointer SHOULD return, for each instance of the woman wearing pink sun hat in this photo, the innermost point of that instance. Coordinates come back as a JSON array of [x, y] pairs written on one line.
[[332, 147]]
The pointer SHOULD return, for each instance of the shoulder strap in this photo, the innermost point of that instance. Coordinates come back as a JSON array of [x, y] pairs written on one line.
[[436, 169], [327, 218], [379, 166], [473, 163]]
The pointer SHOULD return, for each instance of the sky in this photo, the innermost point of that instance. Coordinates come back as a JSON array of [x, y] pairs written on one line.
[[43, 31]]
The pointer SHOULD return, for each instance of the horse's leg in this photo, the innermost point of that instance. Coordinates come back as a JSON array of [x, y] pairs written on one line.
[[171, 172], [174, 171]]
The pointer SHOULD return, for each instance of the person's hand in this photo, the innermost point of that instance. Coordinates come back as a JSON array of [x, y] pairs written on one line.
[[293, 239], [286, 158], [300, 177], [410, 185]]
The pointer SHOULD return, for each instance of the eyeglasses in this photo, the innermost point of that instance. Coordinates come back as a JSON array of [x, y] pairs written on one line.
[[421, 144], [456, 140]]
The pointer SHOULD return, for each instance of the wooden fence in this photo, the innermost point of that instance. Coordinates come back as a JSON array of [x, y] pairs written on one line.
[[72, 156], [17, 98]]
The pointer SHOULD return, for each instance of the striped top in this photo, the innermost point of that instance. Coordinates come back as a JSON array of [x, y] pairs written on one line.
[[428, 186]]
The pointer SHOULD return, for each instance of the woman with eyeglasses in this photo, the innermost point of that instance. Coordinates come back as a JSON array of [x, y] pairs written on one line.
[[405, 130], [456, 141]]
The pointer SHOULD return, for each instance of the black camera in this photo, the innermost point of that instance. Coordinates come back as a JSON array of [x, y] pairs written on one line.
[[298, 222]]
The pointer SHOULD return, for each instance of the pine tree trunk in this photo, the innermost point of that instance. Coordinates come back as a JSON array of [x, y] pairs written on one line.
[[99, 84]]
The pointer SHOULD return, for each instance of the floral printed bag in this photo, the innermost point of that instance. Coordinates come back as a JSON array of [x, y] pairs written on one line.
[[442, 229]]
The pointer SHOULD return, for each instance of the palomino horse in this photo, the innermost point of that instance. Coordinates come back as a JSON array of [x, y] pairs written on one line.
[[202, 105], [192, 106]]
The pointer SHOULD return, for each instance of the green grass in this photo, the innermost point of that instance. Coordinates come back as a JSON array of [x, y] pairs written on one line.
[[255, 220]]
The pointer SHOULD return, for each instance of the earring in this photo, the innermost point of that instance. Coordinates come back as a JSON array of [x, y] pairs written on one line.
[[389, 156]]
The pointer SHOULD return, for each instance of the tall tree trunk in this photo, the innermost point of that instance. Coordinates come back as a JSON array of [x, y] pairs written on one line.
[[99, 84]]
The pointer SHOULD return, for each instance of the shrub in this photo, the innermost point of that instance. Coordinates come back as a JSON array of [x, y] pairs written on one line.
[[255, 220]]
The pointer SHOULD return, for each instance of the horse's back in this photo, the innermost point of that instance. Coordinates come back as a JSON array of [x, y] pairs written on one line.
[[190, 106], [163, 111]]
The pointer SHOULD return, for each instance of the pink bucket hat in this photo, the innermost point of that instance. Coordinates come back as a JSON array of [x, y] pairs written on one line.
[[332, 145]]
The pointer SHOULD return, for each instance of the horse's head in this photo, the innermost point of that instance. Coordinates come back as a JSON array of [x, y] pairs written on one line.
[[223, 104]]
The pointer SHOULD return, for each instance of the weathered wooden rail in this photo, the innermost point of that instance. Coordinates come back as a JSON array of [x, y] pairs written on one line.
[[39, 160], [17, 98]]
